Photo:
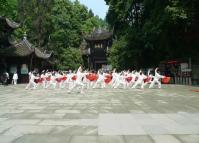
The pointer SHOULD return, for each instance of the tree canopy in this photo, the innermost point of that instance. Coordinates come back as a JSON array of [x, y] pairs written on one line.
[[55, 25], [149, 31], [146, 31]]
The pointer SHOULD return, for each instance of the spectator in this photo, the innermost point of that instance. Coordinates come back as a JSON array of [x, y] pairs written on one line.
[[15, 78], [5, 78]]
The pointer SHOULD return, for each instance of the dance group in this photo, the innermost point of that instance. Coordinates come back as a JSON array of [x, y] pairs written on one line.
[[81, 80]]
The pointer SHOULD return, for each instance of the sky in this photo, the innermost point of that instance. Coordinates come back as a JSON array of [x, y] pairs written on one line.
[[98, 7]]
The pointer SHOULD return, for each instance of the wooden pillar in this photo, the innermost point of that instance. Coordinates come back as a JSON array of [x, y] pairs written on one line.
[[31, 62]]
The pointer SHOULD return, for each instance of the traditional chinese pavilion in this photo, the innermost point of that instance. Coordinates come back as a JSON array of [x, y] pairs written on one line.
[[96, 47], [19, 56]]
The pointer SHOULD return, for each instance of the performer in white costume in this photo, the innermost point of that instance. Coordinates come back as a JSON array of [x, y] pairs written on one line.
[[32, 84], [120, 80], [79, 81], [148, 79], [51, 80], [99, 81], [156, 79], [140, 80]]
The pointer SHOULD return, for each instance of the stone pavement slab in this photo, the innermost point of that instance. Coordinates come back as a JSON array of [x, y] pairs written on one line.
[[138, 139], [84, 139], [167, 115], [165, 139], [189, 138], [111, 139], [144, 124], [20, 130], [73, 122], [75, 131], [7, 139], [43, 139], [118, 124]]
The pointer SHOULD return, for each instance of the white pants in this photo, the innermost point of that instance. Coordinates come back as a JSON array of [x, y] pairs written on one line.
[[31, 84], [14, 81], [98, 82], [154, 82], [138, 82], [76, 85], [51, 83]]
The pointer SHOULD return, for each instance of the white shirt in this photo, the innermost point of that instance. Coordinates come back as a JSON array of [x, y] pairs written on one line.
[[15, 76]]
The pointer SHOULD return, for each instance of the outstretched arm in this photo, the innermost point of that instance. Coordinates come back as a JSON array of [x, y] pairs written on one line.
[[79, 69], [157, 74], [148, 72], [156, 70]]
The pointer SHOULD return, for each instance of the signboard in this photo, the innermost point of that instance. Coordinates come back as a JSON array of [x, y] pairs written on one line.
[[184, 66], [24, 69], [13, 69], [185, 71], [107, 67]]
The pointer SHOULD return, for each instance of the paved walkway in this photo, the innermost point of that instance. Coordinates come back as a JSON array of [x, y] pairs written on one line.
[[167, 115]]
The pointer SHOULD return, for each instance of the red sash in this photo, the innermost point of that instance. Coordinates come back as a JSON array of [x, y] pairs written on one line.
[[92, 77], [64, 78], [58, 80], [129, 79], [108, 79], [147, 79], [36, 80], [48, 78], [39, 80], [74, 77]]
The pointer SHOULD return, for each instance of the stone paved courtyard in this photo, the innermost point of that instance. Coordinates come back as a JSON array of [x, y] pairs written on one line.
[[167, 115]]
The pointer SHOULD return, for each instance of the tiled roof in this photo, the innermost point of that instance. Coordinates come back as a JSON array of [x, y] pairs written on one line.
[[7, 22], [19, 49], [83, 48], [12, 24], [42, 55], [23, 49], [98, 35]]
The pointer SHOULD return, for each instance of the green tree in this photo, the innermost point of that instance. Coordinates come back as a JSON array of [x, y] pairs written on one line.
[[8, 8], [155, 30], [35, 18], [70, 59], [55, 25], [92, 22], [71, 20]]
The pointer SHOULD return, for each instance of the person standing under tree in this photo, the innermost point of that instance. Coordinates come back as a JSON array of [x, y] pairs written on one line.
[[6, 78], [15, 78]]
